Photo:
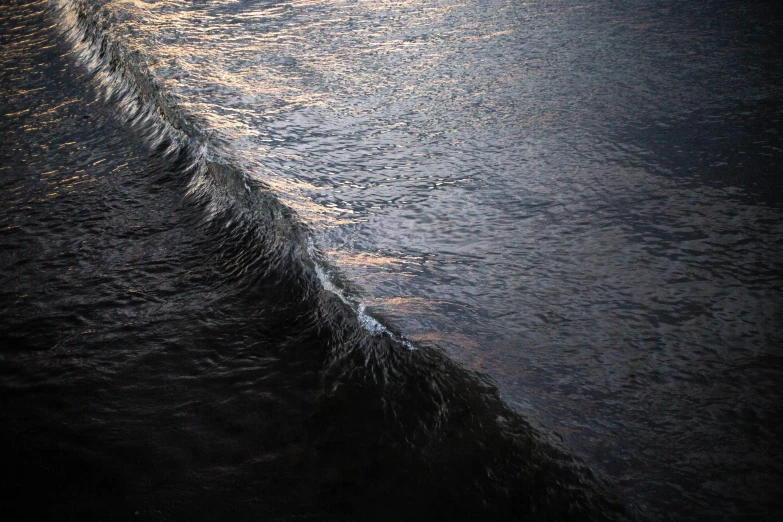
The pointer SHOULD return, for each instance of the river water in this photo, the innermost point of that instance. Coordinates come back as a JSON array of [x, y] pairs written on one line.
[[389, 259]]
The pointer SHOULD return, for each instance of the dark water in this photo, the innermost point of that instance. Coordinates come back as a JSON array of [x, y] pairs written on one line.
[[391, 260]]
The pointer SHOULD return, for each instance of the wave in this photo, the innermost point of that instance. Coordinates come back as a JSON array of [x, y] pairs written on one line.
[[443, 417], [268, 239]]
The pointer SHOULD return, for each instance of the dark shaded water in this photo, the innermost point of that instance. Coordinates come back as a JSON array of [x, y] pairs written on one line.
[[253, 254]]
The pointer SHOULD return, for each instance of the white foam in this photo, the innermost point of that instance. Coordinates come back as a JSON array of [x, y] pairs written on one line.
[[369, 323]]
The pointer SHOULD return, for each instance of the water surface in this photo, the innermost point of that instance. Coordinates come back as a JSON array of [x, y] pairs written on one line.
[[578, 200]]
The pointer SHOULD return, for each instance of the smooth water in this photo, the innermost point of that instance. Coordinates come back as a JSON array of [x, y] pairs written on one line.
[[580, 201]]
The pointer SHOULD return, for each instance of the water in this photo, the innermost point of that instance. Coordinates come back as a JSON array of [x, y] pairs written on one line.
[[254, 252]]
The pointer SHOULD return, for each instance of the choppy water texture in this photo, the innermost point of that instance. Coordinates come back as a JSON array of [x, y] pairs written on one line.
[[388, 260]]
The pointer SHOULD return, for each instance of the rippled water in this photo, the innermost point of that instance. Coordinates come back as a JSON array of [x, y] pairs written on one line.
[[579, 200]]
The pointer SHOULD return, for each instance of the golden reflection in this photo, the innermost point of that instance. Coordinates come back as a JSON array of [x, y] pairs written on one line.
[[363, 260], [412, 305], [52, 110], [19, 113], [118, 167], [446, 338]]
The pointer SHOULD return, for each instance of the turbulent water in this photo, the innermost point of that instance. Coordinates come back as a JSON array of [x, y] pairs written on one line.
[[389, 260]]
